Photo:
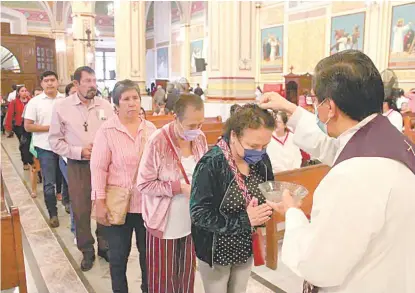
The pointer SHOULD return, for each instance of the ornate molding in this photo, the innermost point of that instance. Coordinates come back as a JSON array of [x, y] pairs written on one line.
[[245, 64]]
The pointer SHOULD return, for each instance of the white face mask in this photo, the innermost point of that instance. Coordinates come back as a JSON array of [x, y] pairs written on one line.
[[321, 124]]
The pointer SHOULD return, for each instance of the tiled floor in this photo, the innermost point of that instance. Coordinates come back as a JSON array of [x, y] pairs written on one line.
[[58, 258]]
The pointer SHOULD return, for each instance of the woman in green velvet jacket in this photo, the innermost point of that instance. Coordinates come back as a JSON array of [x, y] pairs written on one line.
[[226, 204]]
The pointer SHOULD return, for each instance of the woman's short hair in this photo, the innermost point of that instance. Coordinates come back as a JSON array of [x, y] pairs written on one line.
[[144, 111], [249, 116], [235, 108], [186, 100], [183, 84], [283, 116], [68, 88], [391, 104], [38, 88], [121, 87]]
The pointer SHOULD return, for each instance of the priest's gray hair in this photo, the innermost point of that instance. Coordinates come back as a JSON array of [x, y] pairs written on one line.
[[122, 86]]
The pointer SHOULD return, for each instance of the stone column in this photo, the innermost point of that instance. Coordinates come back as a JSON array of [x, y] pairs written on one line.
[[185, 27], [130, 38], [231, 61], [83, 18], [61, 56]]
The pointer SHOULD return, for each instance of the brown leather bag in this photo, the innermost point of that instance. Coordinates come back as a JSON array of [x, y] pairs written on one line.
[[118, 198]]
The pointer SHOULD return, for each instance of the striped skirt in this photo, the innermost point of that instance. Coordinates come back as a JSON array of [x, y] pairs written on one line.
[[171, 265]]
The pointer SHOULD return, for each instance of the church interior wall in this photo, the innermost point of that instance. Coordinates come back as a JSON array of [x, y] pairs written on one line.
[[270, 16], [179, 26], [308, 32], [406, 76], [197, 41]]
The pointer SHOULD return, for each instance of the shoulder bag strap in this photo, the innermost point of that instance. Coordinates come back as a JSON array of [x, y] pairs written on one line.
[[176, 157]]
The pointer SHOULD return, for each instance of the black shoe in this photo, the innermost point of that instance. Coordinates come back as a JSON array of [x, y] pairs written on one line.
[[104, 254], [54, 222], [87, 261]]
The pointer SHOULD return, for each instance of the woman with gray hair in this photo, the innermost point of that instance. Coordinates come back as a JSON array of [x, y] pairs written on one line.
[[115, 158], [183, 85]]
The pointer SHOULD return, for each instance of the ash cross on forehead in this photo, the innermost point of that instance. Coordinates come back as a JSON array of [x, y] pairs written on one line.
[[410, 148]]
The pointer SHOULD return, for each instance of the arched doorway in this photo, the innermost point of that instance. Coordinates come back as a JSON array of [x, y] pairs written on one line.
[[292, 91], [9, 61]]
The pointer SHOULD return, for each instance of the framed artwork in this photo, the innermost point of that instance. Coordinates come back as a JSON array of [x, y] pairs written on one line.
[[272, 49], [402, 41], [196, 51], [347, 32], [163, 62]]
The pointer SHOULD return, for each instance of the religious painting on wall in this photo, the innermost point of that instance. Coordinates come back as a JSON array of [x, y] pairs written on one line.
[[402, 41], [196, 51], [347, 32], [272, 49], [163, 62]]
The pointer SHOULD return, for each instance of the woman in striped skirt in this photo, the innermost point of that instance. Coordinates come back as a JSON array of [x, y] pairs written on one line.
[[164, 182]]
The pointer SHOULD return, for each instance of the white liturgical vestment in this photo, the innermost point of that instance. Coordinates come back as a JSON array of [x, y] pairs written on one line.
[[395, 118], [283, 153], [361, 237]]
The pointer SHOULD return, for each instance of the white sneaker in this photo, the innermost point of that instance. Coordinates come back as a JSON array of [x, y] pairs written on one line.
[[74, 241]]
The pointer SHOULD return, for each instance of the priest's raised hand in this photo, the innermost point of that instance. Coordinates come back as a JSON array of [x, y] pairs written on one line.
[[276, 102]]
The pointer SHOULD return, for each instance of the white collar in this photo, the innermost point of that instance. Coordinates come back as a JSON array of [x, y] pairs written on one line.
[[345, 137], [44, 96]]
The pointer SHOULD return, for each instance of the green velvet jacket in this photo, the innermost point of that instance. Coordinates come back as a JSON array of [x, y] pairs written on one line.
[[211, 181]]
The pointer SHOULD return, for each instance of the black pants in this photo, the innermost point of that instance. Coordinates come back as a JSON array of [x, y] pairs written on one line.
[[3, 130], [58, 180], [119, 241], [24, 138]]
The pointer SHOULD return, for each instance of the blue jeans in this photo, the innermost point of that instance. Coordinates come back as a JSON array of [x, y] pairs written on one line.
[[48, 163], [64, 170]]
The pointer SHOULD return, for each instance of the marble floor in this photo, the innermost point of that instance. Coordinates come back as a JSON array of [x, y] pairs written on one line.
[[52, 259]]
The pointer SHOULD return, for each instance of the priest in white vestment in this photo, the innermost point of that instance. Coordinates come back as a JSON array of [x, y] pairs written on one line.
[[361, 235]]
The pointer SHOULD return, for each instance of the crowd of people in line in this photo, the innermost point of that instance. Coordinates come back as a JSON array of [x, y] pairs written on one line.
[[187, 204]]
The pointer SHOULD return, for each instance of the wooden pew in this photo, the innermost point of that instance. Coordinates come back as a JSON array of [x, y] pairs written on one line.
[[310, 177], [212, 126], [212, 137], [12, 259]]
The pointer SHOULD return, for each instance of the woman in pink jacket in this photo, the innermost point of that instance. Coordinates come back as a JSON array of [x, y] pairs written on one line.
[[164, 177]]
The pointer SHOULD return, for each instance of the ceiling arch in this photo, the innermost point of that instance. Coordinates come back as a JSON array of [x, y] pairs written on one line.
[[180, 5]]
